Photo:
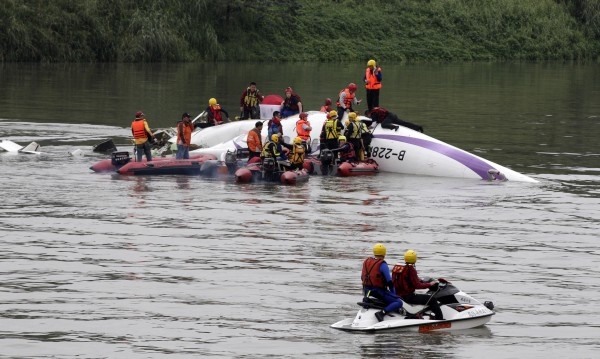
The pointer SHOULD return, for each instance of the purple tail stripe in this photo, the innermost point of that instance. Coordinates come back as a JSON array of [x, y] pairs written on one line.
[[468, 160]]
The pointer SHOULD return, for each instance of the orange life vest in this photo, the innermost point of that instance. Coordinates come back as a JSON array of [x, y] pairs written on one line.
[[185, 129], [302, 133], [371, 275], [254, 140], [372, 82], [139, 129], [216, 112], [325, 108], [347, 100]]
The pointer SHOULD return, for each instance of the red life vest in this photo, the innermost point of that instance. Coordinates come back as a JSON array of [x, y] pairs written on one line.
[[302, 133], [371, 275], [216, 112], [372, 82], [139, 129], [347, 100], [400, 280], [379, 114]]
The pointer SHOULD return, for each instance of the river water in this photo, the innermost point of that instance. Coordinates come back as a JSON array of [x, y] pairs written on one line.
[[105, 266]]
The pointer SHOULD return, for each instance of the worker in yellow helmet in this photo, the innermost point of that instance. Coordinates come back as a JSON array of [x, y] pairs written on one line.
[[215, 113], [377, 282], [372, 79]]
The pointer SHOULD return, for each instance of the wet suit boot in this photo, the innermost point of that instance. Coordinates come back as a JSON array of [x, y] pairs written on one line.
[[379, 315]]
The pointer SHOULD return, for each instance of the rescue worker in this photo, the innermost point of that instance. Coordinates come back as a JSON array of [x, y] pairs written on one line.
[[274, 149], [347, 98], [366, 137], [296, 154], [250, 101], [372, 79], [254, 140], [377, 281], [185, 127], [353, 133], [274, 125], [291, 104], [326, 106], [215, 113], [142, 136], [406, 280], [331, 130], [346, 150], [303, 129], [390, 121]]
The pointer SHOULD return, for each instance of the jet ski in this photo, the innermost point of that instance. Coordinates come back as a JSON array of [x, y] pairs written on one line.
[[460, 310]]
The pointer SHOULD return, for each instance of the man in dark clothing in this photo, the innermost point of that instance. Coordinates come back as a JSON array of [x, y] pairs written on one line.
[[390, 121]]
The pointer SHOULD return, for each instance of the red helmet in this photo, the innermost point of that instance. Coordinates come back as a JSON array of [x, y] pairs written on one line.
[[327, 101], [352, 86], [303, 115], [139, 114], [289, 89]]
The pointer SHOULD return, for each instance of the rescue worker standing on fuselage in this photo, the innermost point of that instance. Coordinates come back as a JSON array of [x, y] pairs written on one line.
[[250, 101], [142, 136], [373, 77], [377, 281], [214, 113], [346, 99]]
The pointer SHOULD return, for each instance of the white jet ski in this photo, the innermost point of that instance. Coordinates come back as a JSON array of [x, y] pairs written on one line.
[[460, 310]]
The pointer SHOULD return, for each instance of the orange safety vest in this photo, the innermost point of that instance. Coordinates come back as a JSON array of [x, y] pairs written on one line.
[[325, 108], [254, 141], [185, 129], [140, 132], [372, 82], [216, 112], [371, 275], [302, 133], [347, 100]]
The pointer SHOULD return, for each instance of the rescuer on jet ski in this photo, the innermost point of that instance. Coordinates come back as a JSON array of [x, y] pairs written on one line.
[[406, 280], [377, 281]]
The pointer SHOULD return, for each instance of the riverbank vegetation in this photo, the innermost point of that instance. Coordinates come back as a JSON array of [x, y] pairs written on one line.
[[299, 30]]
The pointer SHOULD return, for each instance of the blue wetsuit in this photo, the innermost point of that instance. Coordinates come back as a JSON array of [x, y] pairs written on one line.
[[392, 301]]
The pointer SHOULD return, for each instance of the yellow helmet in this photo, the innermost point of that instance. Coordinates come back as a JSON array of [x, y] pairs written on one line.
[[332, 114], [275, 137], [342, 138], [379, 250], [410, 257], [297, 141], [352, 116], [371, 63], [212, 101]]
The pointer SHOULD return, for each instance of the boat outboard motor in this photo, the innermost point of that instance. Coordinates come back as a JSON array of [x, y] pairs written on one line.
[[120, 159], [269, 168], [231, 161], [327, 159]]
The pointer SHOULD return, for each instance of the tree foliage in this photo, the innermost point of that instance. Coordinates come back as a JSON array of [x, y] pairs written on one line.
[[298, 30]]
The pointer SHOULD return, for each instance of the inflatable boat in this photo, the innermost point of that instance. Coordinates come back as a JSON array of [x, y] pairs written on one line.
[[122, 163], [269, 170]]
